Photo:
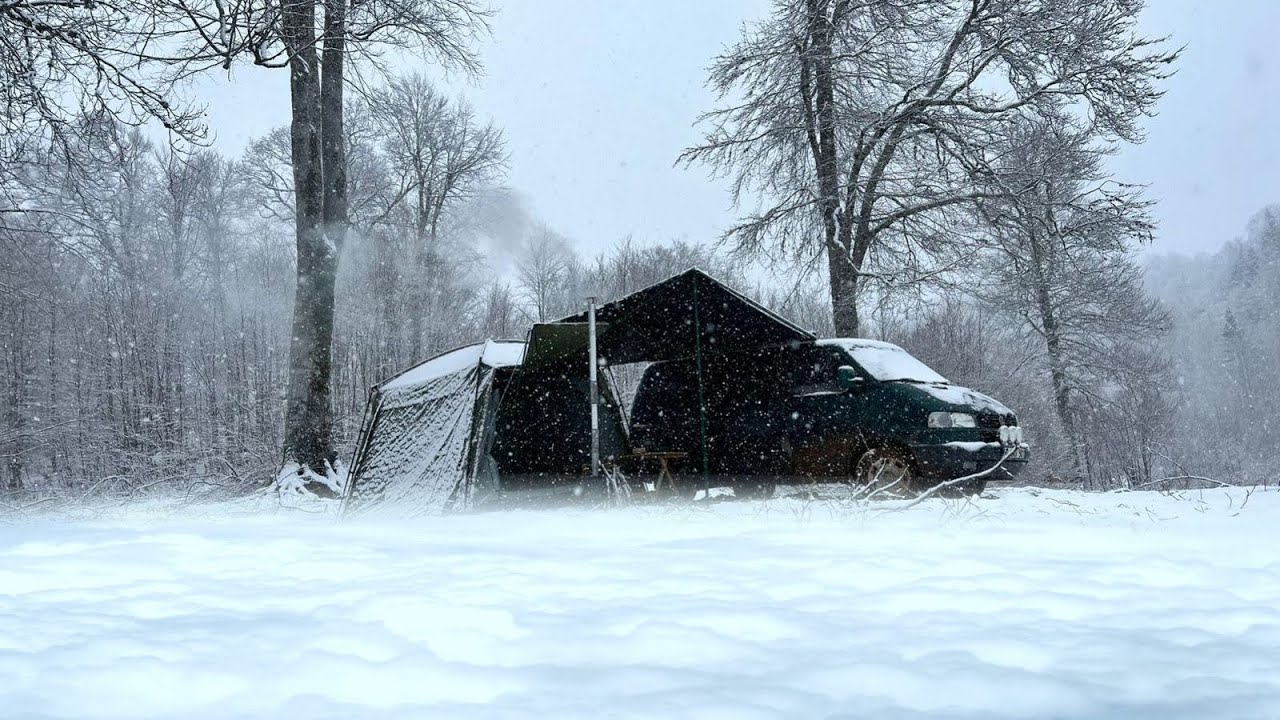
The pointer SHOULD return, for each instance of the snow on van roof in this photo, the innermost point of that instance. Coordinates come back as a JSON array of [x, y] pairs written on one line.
[[885, 361], [859, 343], [494, 353]]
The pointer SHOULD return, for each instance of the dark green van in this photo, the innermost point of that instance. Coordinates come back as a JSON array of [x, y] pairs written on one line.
[[853, 409]]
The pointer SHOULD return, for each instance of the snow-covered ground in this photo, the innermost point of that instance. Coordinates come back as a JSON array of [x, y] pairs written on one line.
[[1031, 604]]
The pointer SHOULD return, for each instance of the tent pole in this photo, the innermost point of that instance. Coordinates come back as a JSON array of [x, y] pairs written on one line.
[[702, 402], [595, 387]]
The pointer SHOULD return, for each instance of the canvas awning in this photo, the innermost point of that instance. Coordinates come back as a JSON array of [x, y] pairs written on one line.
[[658, 322], [553, 343]]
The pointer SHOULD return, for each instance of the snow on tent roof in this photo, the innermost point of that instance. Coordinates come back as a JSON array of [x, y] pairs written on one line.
[[493, 353], [502, 353], [657, 323]]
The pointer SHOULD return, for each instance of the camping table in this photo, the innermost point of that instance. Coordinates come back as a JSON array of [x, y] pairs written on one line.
[[663, 458]]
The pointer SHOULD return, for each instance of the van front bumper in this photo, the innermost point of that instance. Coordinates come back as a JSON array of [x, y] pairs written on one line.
[[954, 460]]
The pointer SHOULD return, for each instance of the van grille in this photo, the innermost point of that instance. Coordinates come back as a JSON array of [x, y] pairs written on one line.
[[993, 421]]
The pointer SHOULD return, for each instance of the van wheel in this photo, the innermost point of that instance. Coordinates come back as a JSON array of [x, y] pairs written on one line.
[[885, 472]]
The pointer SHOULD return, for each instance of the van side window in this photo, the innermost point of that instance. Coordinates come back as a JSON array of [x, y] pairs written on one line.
[[814, 370]]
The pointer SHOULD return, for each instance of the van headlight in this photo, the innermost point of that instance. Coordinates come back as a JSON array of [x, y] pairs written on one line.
[[951, 419], [1010, 435]]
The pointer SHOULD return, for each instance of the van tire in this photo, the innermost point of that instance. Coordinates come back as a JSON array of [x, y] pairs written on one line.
[[886, 472]]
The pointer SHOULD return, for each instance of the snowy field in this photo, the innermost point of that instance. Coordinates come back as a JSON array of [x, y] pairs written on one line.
[[1023, 604]]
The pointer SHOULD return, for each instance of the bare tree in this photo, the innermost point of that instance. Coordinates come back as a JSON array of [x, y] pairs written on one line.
[[499, 311], [122, 59], [543, 270], [63, 59], [1061, 235], [418, 164], [318, 156], [859, 126], [442, 155]]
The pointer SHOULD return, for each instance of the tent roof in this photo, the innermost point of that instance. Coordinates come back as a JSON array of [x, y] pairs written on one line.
[[656, 323], [493, 353]]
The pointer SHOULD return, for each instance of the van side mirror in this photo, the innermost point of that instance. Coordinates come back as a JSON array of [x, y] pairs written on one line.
[[848, 379]]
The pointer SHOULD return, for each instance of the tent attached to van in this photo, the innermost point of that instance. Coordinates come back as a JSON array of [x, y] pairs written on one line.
[[461, 429]]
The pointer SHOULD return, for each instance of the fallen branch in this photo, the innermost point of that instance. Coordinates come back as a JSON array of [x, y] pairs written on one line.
[[950, 483], [1174, 478], [23, 508]]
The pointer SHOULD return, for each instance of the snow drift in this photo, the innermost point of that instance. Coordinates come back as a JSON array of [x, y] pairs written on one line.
[[1036, 604]]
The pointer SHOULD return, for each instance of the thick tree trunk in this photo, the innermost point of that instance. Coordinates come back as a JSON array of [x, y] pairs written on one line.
[[332, 123], [818, 87], [334, 179], [308, 437], [844, 292]]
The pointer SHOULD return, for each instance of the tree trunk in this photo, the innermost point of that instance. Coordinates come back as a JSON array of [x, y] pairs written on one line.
[[844, 292], [387, 289], [1053, 346], [332, 125], [55, 410], [308, 439], [16, 424], [417, 298], [1058, 375], [334, 178], [818, 87]]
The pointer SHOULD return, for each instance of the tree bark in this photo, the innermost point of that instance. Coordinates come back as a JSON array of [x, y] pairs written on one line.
[[1053, 346], [332, 123], [419, 282], [17, 415], [308, 440], [844, 292], [817, 87]]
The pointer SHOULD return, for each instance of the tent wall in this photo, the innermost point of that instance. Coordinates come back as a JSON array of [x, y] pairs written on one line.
[[543, 430], [419, 451], [742, 432], [451, 441]]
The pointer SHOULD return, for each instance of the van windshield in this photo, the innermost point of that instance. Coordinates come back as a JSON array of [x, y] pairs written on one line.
[[886, 361]]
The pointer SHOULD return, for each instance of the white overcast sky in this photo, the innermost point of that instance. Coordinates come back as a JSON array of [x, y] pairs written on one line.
[[597, 99]]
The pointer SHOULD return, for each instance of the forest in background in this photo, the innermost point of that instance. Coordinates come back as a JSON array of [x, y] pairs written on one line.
[[146, 295], [935, 174]]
